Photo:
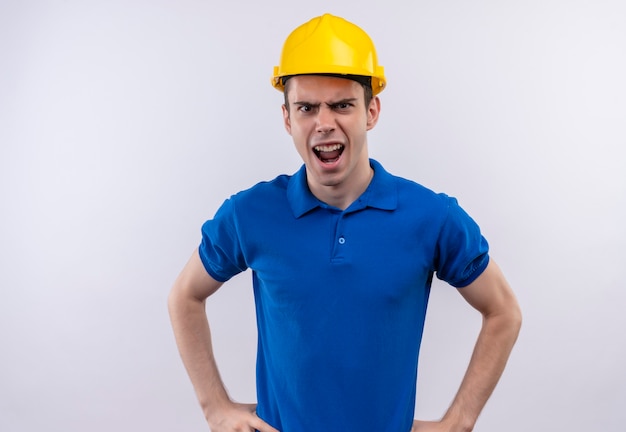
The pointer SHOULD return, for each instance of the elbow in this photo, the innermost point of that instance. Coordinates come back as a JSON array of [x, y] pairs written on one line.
[[182, 299], [516, 313], [519, 319], [175, 299], [516, 325], [172, 301], [507, 320], [514, 319]]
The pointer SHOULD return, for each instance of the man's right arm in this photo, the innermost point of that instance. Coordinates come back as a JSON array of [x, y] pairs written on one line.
[[186, 304]]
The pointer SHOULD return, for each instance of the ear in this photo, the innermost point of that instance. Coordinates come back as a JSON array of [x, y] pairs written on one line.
[[286, 119], [373, 111]]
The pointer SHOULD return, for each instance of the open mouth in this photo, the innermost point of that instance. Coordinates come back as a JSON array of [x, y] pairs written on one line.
[[328, 153]]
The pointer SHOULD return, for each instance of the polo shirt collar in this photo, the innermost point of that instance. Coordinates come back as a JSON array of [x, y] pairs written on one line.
[[382, 192]]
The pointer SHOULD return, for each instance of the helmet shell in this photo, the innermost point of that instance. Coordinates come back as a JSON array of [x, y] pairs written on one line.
[[329, 45]]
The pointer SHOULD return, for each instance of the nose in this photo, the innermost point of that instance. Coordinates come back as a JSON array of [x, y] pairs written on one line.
[[325, 120]]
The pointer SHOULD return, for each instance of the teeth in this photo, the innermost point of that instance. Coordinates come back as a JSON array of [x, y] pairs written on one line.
[[328, 148]]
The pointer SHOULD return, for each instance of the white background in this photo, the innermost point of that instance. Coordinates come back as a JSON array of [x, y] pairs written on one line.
[[125, 124]]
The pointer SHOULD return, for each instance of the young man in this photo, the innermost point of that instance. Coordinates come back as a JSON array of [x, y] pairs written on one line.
[[343, 255]]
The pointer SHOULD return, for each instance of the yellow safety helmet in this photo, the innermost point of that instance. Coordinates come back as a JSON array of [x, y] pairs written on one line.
[[329, 45]]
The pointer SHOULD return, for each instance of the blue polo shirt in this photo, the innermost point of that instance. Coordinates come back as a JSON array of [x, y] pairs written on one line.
[[341, 296]]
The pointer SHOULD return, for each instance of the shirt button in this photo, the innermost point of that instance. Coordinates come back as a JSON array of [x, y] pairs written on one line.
[[342, 240]]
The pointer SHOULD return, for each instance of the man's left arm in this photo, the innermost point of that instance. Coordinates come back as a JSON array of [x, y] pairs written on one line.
[[492, 296]]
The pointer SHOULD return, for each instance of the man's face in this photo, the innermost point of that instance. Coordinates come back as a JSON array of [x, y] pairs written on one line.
[[328, 122]]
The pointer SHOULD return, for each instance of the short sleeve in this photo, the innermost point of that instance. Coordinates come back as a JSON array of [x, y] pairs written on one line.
[[462, 251], [220, 249]]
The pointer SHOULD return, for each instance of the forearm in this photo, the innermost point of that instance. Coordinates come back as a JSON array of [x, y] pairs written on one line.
[[493, 347], [193, 337]]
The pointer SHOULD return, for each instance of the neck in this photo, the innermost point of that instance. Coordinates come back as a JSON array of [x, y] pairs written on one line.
[[344, 194]]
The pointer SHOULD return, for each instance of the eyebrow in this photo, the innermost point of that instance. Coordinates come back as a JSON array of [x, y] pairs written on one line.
[[341, 101]]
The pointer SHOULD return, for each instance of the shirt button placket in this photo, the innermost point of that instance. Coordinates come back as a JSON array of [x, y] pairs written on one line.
[[339, 248]]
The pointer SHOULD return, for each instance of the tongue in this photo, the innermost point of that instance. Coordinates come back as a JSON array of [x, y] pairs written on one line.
[[330, 156]]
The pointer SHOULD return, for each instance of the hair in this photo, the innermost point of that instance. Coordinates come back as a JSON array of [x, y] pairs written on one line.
[[365, 81]]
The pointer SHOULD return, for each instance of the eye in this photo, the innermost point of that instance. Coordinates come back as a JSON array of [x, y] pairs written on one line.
[[305, 108], [342, 106]]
